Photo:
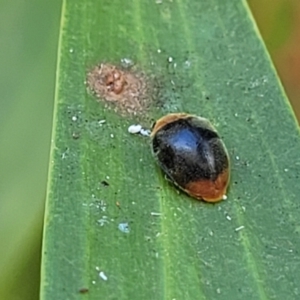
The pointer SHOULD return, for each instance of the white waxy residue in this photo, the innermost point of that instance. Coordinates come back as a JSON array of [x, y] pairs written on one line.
[[103, 276], [136, 128], [124, 227]]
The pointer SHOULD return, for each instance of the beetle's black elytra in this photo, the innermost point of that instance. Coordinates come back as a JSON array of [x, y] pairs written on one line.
[[191, 153]]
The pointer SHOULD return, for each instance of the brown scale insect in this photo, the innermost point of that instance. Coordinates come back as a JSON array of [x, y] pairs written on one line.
[[115, 82]]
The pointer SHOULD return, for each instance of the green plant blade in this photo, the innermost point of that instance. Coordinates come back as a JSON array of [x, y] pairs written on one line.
[[138, 237]]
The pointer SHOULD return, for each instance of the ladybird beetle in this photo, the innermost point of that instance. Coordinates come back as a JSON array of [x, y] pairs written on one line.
[[190, 152]]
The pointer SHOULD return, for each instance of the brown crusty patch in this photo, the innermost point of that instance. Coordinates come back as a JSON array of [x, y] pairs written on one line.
[[124, 90]]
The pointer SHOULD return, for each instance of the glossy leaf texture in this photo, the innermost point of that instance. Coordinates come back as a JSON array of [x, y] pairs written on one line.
[[114, 227]]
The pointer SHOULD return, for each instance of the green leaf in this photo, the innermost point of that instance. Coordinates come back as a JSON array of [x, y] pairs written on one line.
[[139, 237]]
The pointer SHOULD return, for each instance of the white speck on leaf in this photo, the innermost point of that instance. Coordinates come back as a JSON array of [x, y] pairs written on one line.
[[145, 132], [124, 227], [228, 218], [127, 62], [135, 128], [239, 228], [187, 63], [103, 276], [156, 214], [103, 221]]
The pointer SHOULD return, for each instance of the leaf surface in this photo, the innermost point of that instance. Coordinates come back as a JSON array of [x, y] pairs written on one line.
[[139, 237]]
